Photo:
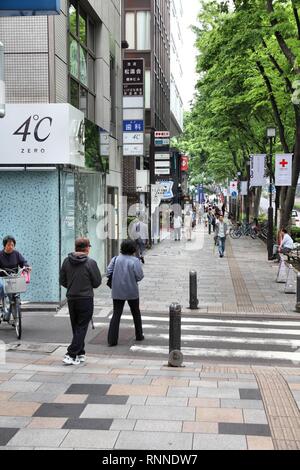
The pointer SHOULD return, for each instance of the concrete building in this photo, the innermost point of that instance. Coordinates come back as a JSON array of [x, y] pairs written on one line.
[[62, 71], [152, 30], [176, 68]]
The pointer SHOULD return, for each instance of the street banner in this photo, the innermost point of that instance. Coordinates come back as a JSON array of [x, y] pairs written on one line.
[[234, 192], [244, 188], [257, 170], [184, 163], [283, 171]]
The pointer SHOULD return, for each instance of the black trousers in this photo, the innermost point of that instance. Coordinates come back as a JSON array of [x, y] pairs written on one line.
[[81, 312], [113, 333]]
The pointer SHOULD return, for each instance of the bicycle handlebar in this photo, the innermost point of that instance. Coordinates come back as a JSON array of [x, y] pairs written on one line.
[[14, 274]]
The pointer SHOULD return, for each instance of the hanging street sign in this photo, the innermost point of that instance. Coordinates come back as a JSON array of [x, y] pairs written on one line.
[[283, 170]]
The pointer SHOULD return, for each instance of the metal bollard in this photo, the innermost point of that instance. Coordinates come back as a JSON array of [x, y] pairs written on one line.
[[194, 302], [175, 355], [209, 229], [298, 294]]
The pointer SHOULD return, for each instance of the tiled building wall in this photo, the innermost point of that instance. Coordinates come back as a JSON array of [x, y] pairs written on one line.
[[32, 216], [26, 59]]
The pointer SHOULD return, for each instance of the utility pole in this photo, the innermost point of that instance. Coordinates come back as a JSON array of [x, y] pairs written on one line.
[[271, 134]]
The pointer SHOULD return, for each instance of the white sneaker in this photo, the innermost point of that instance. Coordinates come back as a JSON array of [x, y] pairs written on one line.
[[70, 361], [82, 358]]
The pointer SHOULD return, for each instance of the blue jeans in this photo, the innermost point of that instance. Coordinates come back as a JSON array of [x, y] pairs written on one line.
[[222, 241]]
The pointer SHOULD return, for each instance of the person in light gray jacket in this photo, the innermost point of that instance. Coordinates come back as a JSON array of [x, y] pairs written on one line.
[[126, 271]]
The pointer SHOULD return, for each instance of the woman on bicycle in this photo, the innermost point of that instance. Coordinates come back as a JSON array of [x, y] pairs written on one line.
[[10, 260]]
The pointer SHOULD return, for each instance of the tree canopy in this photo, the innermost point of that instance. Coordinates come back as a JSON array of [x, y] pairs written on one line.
[[249, 79]]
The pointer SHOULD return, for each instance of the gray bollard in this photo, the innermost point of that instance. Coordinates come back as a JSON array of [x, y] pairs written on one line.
[[298, 294], [194, 302], [175, 355]]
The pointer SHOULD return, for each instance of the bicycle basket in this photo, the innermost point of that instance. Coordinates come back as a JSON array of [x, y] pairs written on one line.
[[14, 285]]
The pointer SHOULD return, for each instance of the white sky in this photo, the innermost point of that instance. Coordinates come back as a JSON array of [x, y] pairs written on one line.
[[191, 9]]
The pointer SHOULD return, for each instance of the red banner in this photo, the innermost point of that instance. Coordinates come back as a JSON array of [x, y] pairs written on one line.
[[184, 163]]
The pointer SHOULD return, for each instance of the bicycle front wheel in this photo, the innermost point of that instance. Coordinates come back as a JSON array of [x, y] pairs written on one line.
[[235, 233], [17, 315]]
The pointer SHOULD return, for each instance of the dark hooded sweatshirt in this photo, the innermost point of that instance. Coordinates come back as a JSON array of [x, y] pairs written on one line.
[[80, 275]]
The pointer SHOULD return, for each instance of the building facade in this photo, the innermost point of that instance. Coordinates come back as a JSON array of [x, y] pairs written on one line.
[[152, 29], [71, 60]]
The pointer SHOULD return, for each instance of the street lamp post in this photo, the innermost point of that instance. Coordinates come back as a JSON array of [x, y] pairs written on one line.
[[271, 135]]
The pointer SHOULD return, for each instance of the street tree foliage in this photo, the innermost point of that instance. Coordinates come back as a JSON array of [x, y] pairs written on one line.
[[249, 79]]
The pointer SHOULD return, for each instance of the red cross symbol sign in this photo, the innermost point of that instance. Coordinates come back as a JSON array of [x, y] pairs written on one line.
[[283, 163]]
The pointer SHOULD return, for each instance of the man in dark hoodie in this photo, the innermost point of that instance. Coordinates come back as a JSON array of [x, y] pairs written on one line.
[[80, 275]]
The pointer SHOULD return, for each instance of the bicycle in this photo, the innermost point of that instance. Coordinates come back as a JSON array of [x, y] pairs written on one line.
[[14, 284], [243, 230]]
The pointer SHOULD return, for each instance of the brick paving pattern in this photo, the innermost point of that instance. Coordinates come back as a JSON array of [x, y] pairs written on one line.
[[123, 403]]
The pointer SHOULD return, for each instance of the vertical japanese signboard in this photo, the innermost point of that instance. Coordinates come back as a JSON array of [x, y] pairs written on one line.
[[133, 107]]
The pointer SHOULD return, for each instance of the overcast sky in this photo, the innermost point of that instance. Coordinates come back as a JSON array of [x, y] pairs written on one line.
[[191, 9]]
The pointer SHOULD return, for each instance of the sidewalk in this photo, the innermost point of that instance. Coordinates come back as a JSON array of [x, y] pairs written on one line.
[[120, 403], [242, 283]]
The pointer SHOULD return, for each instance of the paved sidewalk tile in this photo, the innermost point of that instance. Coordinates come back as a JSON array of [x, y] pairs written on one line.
[[260, 443], [168, 413], [200, 428], [144, 390], [158, 426], [255, 416], [219, 415], [47, 423], [38, 438], [6, 434], [219, 442], [154, 441], [105, 411], [13, 408], [247, 404], [90, 439]]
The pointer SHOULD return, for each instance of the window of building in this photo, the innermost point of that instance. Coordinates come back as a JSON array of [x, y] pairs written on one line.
[[138, 30], [81, 60]]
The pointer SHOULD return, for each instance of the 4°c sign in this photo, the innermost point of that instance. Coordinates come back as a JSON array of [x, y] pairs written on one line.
[[29, 7]]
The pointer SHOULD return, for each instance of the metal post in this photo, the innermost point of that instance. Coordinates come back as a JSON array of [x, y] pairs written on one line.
[[194, 302], [298, 294], [209, 227], [175, 355], [270, 210]]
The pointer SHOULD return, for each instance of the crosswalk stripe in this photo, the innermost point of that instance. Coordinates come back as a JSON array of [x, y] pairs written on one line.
[[292, 343], [213, 320], [230, 353]]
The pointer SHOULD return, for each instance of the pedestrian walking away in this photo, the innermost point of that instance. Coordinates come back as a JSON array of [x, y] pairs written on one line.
[[188, 221], [140, 232], [221, 233], [126, 271], [80, 275], [177, 227]]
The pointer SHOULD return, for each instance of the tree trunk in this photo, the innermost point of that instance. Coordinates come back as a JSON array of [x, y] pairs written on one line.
[[289, 200]]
